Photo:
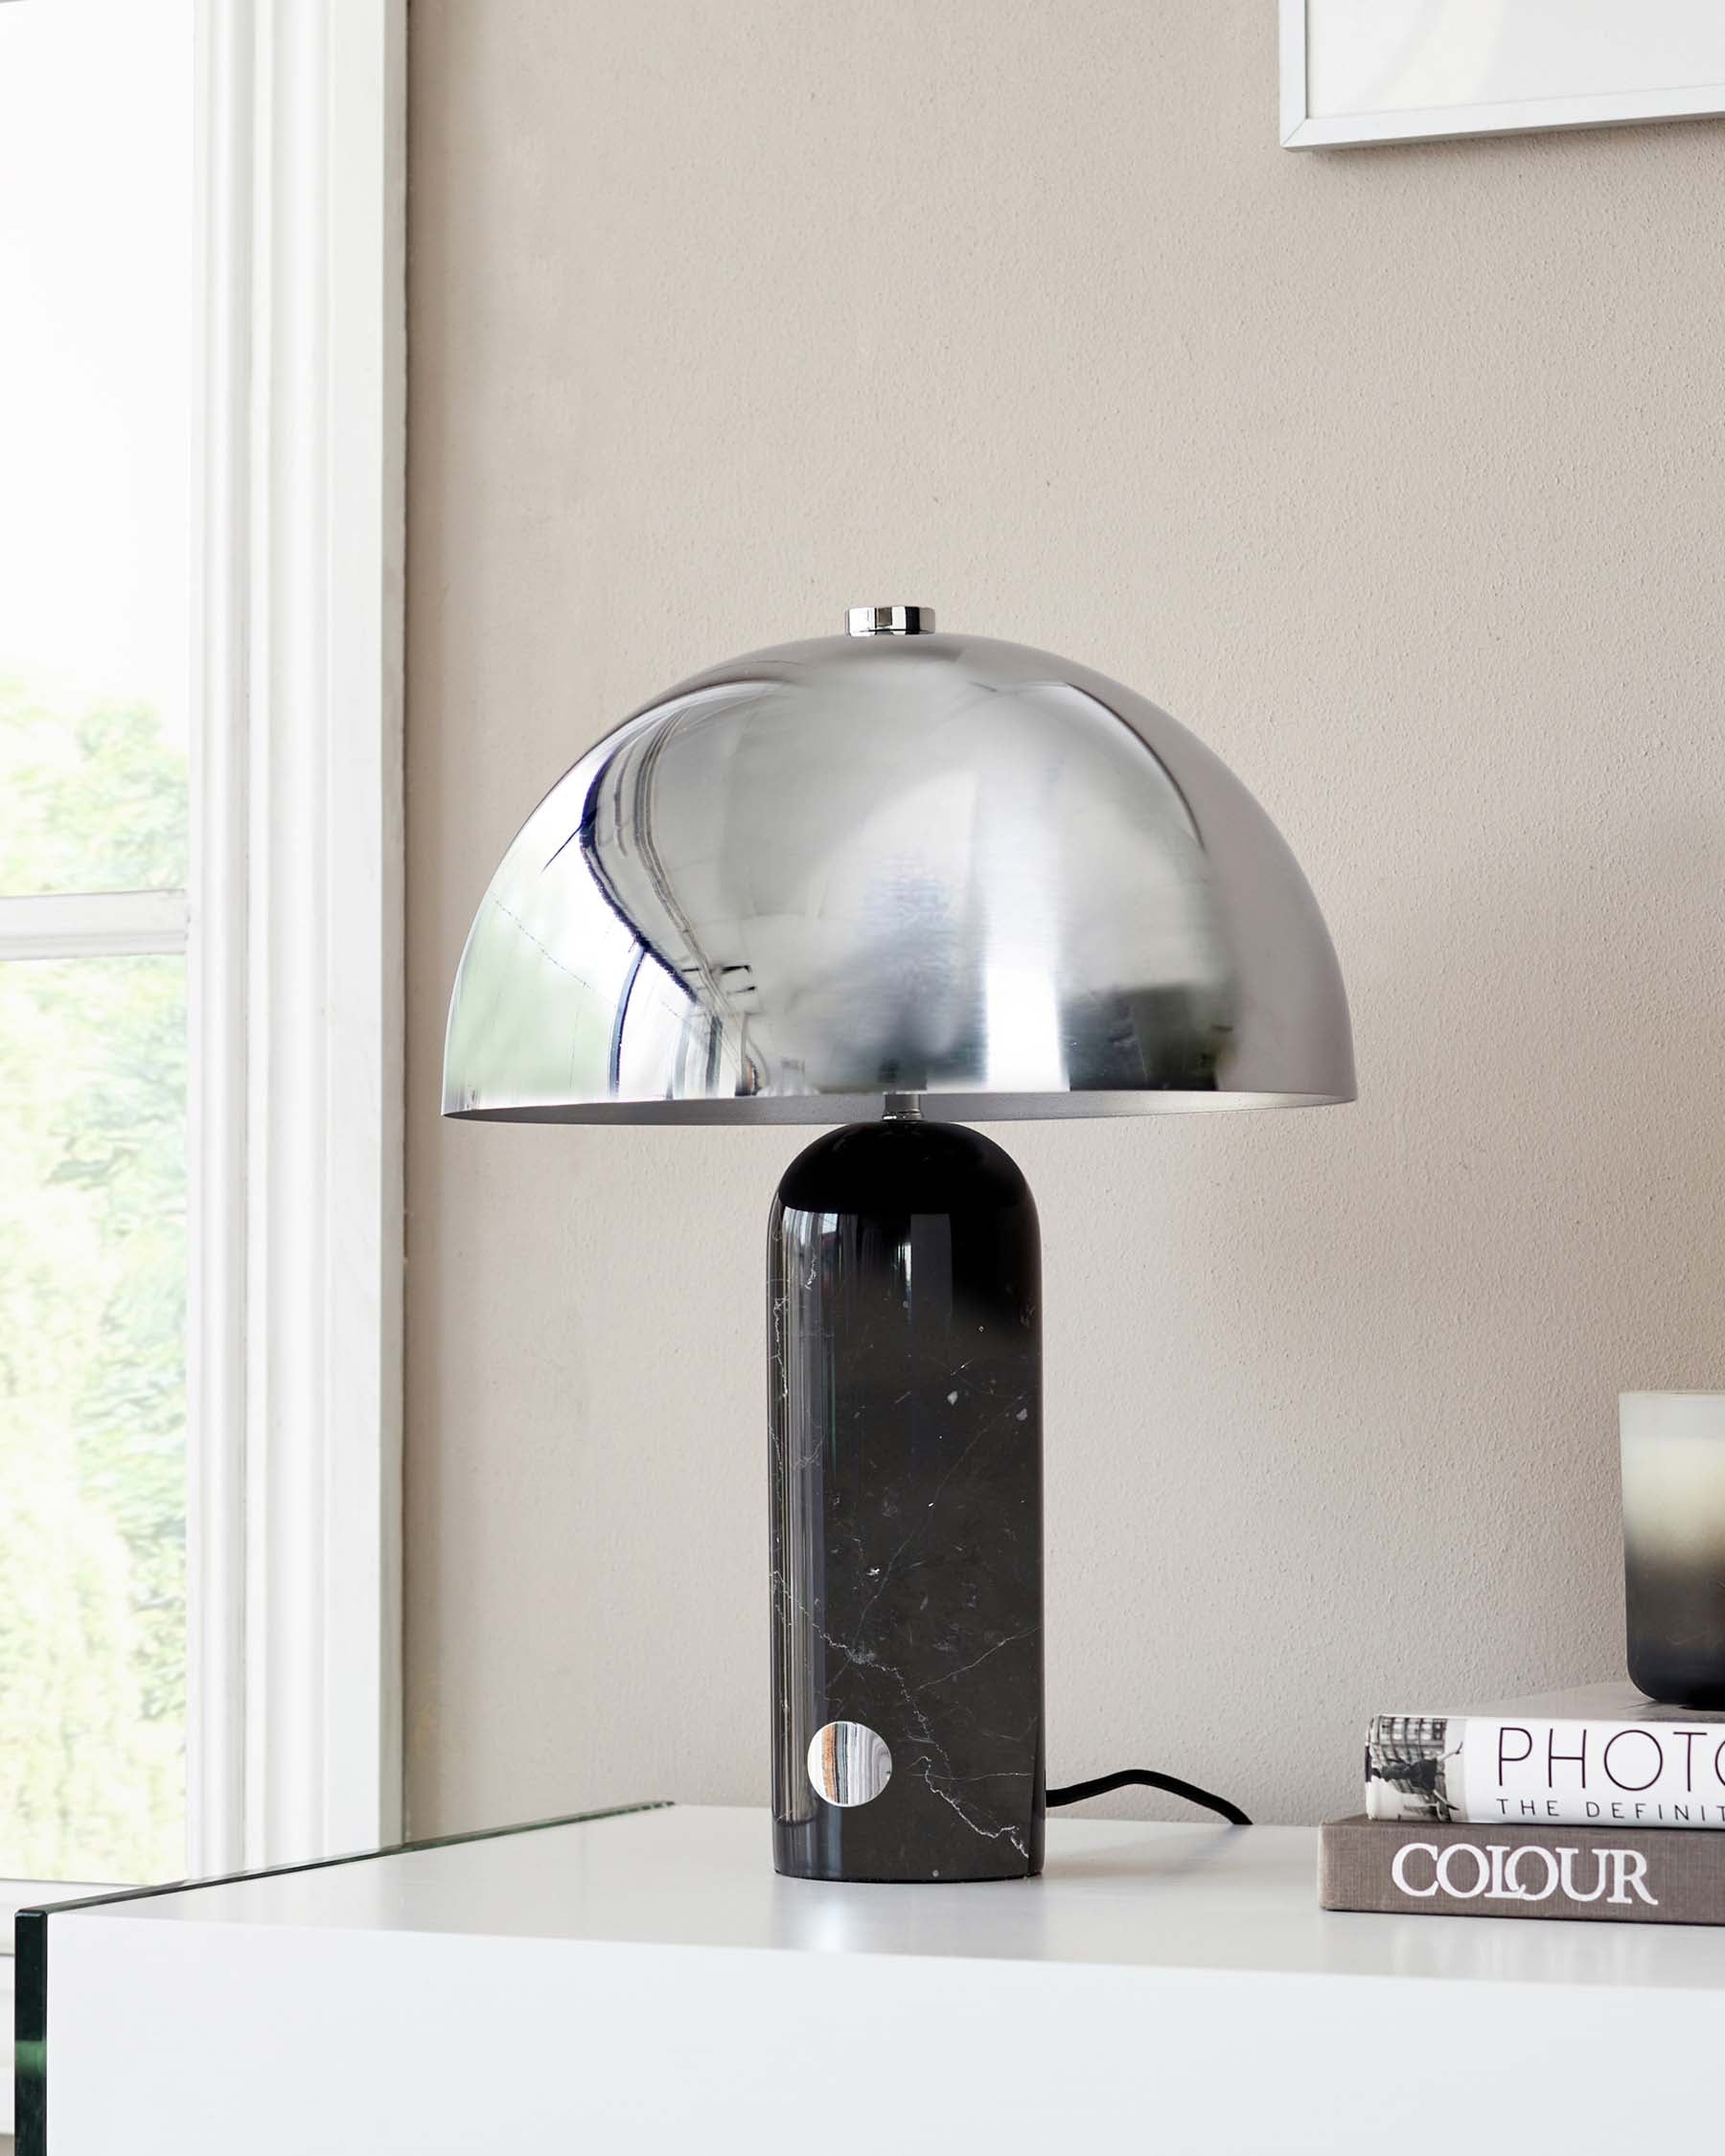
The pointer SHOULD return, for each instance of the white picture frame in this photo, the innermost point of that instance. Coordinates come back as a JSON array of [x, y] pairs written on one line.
[[1355, 72]]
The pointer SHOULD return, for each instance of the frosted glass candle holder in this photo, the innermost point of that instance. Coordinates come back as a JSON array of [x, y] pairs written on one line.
[[1674, 1446]]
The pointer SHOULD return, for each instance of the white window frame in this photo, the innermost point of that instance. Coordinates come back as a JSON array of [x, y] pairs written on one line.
[[296, 993], [293, 930]]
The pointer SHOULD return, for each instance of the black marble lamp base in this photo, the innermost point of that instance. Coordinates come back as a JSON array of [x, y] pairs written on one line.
[[904, 1292]]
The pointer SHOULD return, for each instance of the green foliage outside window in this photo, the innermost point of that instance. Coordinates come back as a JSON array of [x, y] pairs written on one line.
[[92, 1316]]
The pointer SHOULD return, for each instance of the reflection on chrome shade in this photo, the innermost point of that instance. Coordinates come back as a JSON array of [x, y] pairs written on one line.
[[894, 862], [848, 1763]]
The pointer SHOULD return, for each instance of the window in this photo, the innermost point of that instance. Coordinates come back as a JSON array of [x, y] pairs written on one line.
[[201, 553], [96, 384]]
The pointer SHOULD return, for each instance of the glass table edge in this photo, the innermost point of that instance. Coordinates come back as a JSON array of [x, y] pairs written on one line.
[[29, 2003], [346, 1856]]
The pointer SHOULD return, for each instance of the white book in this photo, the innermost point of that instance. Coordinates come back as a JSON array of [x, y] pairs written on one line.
[[1599, 1755]]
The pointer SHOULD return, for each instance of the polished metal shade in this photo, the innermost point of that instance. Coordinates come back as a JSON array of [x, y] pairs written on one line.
[[895, 863]]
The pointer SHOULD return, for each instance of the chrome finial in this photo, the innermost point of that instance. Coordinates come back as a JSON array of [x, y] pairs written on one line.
[[890, 620]]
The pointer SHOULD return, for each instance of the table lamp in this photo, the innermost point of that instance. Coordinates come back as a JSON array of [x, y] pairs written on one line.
[[897, 880]]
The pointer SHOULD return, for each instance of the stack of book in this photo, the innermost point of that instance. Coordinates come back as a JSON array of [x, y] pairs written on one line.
[[1589, 1804]]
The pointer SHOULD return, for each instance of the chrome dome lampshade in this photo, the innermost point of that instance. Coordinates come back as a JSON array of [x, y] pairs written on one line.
[[895, 863], [899, 879]]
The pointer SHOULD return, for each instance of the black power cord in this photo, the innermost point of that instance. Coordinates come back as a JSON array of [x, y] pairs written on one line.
[[1141, 1778]]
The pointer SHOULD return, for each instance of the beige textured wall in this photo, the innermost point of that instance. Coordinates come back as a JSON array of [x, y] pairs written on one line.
[[1397, 475]]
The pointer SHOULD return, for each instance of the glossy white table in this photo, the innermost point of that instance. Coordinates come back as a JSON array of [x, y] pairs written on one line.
[[644, 1983]]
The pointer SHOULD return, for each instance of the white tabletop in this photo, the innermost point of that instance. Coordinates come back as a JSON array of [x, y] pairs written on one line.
[[645, 1981], [1114, 1892]]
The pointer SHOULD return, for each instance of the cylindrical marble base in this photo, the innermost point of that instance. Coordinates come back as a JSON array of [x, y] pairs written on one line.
[[1674, 1545], [905, 1371]]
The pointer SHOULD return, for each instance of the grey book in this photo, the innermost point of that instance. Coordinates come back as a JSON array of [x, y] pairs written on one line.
[[1613, 1876]]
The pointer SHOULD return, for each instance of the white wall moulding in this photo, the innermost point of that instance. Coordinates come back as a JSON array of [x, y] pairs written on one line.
[[297, 934], [1369, 70]]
